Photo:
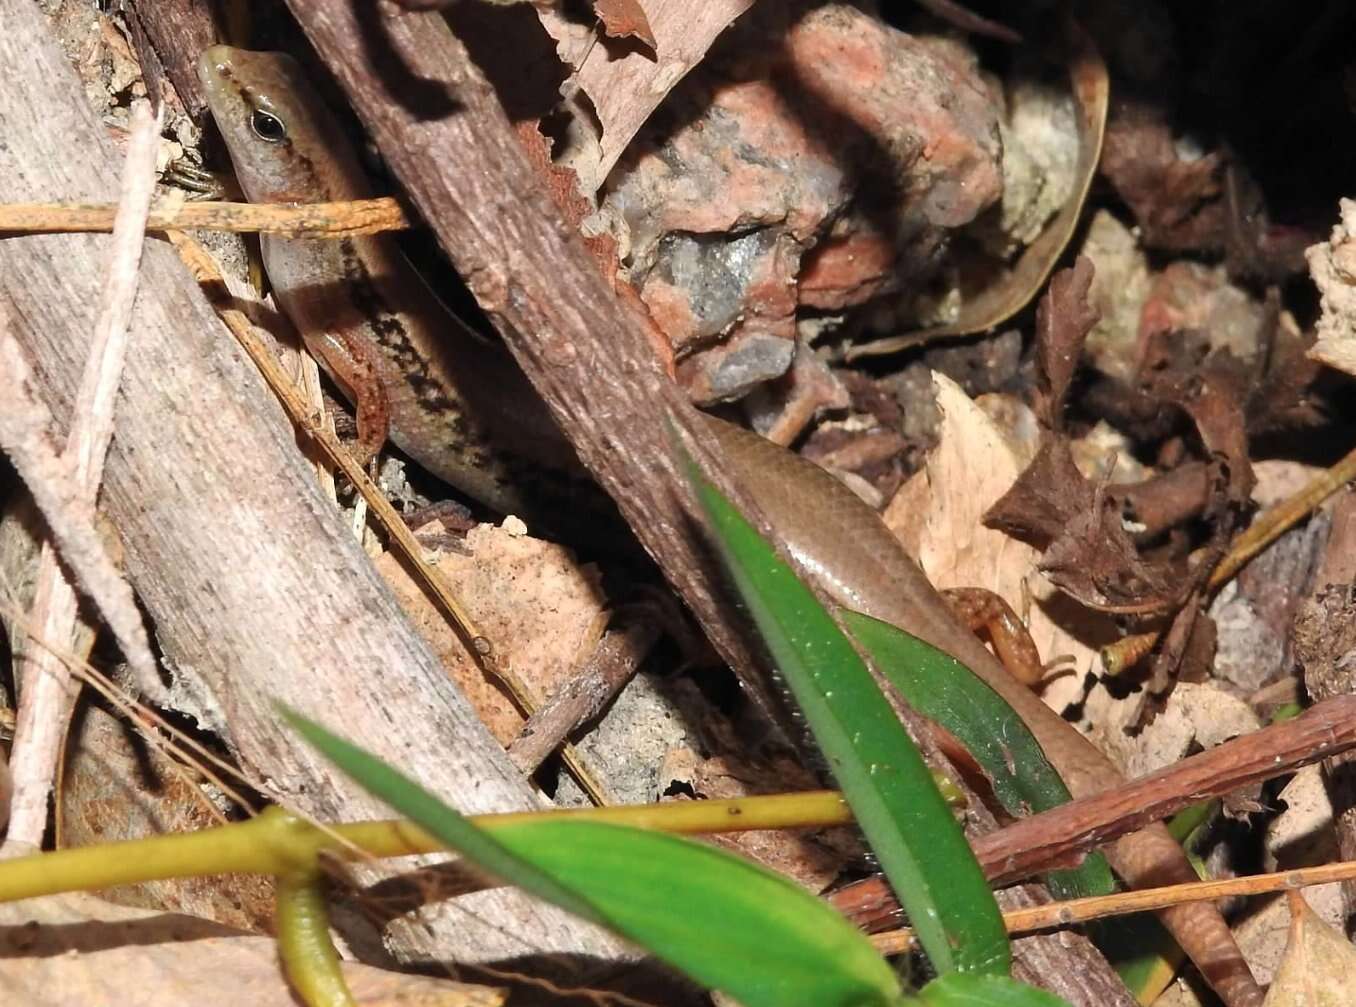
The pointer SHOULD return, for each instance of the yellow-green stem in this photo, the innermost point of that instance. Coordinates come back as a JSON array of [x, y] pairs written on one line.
[[307, 953], [278, 843]]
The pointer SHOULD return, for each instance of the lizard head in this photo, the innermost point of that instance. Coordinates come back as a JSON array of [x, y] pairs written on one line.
[[285, 144]]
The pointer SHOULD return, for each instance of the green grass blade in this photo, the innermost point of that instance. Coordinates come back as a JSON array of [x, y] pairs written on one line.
[[944, 690], [727, 923], [962, 990], [747, 927], [881, 774]]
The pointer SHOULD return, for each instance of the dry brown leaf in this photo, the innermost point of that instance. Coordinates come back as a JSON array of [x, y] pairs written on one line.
[[625, 19], [542, 611], [1063, 320], [937, 515], [1176, 200], [1215, 398], [625, 89], [76, 949], [1318, 964], [1195, 715], [1087, 551]]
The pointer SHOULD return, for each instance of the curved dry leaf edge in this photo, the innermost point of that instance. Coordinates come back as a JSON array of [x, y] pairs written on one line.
[[1020, 284]]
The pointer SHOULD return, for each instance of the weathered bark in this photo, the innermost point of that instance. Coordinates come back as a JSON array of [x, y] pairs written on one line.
[[257, 591], [441, 129], [177, 30]]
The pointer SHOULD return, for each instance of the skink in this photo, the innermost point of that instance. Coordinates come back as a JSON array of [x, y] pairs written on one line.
[[460, 407]]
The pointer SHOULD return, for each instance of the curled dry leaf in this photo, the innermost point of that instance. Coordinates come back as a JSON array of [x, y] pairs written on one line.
[[1014, 290], [1215, 398], [1318, 964], [625, 89], [625, 19], [1087, 551], [1063, 320]]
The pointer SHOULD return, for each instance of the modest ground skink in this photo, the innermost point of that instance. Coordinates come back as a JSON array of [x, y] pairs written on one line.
[[455, 402], [454, 399]]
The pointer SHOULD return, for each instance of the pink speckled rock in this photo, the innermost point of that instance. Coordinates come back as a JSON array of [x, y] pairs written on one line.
[[1188, 295], [847, 270], [847, 132]]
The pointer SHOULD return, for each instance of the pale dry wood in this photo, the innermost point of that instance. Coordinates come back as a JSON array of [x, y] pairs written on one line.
[[257, 590], [47, 690], [77, 949]]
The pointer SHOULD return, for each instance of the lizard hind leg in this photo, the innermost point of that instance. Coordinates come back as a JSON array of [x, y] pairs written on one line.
[[352, 365], [979, 609]]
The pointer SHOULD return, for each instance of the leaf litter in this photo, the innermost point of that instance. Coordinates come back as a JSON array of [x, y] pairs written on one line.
[[1089, 462]]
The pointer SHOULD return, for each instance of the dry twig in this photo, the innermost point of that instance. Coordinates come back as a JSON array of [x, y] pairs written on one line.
[[1075, 911], [46, 696], [1052, 838], [321, 220]]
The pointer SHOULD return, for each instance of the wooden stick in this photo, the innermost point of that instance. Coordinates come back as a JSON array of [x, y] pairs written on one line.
[[612, 664], [1053, 838], [1075, 911], [321, 220]]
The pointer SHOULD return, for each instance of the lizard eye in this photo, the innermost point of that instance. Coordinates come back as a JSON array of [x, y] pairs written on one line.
[[267, 127]]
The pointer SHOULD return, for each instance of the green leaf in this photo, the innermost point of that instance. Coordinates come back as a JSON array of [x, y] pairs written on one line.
[[742, 929], [727, 923], [961, 990], [920, 847], [942, 689]]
